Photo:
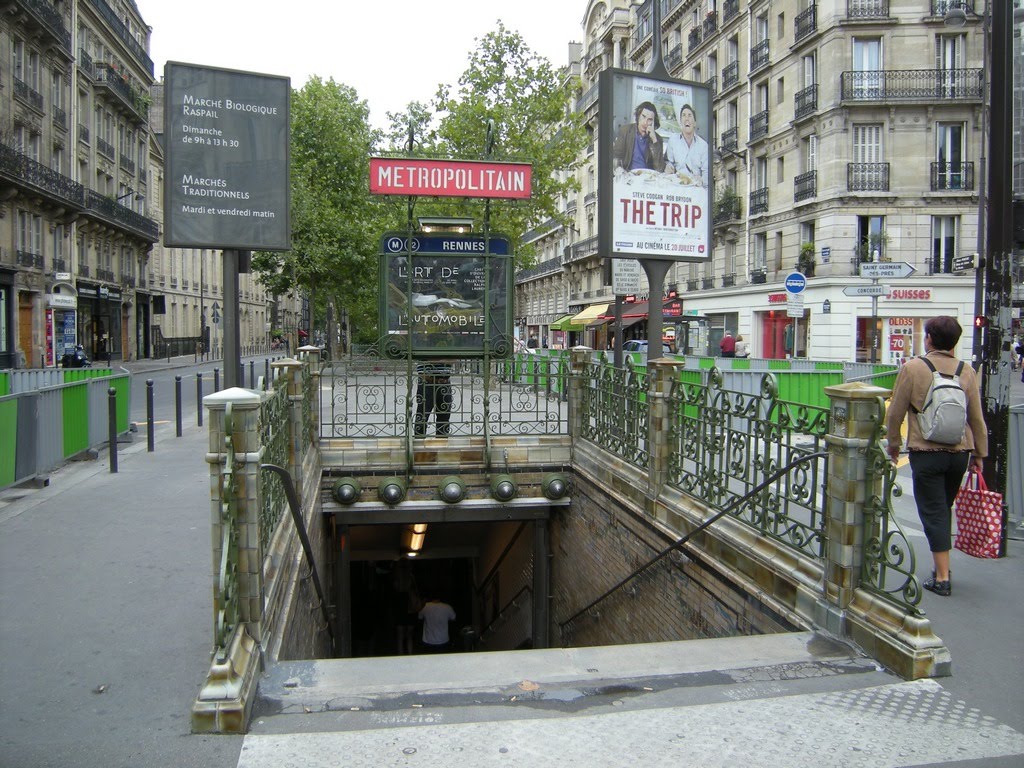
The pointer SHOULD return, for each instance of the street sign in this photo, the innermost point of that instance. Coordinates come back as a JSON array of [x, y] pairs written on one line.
[[960, 263], [795, 304], [795, 282], [865, 290], [625, 276], [886, 270]]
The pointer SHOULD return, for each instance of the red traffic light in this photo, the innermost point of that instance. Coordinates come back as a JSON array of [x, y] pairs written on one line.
[[980, 321]]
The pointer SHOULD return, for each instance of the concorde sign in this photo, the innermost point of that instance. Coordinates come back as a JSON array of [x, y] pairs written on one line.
[[886, 270], [866, 290]]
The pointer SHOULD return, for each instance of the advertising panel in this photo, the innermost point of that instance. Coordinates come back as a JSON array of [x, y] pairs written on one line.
[[655, 185], [447, 293], [227, 145]]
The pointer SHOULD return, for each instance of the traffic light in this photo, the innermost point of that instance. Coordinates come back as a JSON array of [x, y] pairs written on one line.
[[980, 321]]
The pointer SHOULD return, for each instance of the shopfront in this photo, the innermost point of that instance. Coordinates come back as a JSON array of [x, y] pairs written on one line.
[[60, 325], [100, 321]]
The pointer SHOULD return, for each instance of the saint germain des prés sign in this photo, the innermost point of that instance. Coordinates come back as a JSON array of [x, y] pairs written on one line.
[[227, 155]]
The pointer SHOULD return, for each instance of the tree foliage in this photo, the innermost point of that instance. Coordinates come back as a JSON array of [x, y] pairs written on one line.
[[334, 220]]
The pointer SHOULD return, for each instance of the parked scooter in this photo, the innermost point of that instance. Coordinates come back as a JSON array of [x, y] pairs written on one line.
[[76, 359]]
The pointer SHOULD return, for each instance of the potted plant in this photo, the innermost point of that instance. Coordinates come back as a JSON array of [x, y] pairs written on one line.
[[805, 261], [727, 205], [876, 242]]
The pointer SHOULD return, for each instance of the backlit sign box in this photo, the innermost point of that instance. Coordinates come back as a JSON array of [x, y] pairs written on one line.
[[449, 178], [227, 153]]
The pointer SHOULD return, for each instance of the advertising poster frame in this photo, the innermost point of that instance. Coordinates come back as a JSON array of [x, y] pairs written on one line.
[[658, 211]]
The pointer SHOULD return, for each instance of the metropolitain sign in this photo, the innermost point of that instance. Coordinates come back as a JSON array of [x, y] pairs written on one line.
[[449, 178]]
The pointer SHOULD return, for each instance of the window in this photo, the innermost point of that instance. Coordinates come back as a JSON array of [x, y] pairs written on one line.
[[780, 26], [949, 57], [806, 232], [943, 243], [949, 156], [25, 64], [871, 238], [57, 91], [867, 143], [867, 65], [809, 67], [30, 233], [809, 152], [760, 252], [58, 248]]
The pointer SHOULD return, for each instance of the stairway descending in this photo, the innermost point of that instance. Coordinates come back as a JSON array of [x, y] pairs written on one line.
[[790, 700]]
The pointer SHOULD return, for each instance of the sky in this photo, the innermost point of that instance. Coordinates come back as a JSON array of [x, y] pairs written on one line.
[[390, 52]]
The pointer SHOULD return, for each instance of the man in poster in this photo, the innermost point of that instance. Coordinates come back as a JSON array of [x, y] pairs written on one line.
[[687, 152], [638, 145]]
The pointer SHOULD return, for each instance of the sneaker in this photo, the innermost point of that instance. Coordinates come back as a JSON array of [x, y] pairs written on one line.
[[943, 588]]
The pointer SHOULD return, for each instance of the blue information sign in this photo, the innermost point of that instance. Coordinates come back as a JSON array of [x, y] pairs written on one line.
[[454, 245], [796, 282]]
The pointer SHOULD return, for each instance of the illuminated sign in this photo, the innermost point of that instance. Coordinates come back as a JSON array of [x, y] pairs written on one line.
[[450, 178]]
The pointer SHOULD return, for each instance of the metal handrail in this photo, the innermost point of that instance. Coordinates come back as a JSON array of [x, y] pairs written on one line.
[[680, 542], [505, 607], [300, 528]]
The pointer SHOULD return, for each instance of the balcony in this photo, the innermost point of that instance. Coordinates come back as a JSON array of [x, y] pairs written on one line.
[[806, 23], [85, 64], [106, 275], [731, 138], [121, 216], [727, 208], [589, 98], [867, 9], [806, 102], [128, 280], [28, 259], [641, 36], [60, 118], [759, 56], [694, 39], [47, 18], [674, 57], [952, 176], [759, 201], [83, 133], [25, 172], [668, 8], [707, 283], [590, 198], [59, 265], [127, 164], [122, 32], [83, 270], [730, 10], [913, 85], [759, 125], [581, 250], [729, 280], [712, 85], [174, 282], [116, 83], [105, 148], [28, 95], [805, 186], [758, 276], [730, 75], [710, 25], [941, 7], [692, 285], [867, 177]]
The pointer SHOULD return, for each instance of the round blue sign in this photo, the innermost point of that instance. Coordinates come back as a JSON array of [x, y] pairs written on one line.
[[795, 282]]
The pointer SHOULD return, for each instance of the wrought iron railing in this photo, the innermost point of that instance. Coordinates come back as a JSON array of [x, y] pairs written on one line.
[[369, 396], [942, 7], [867, 177], [710, 24], [273, 427], [867, 9], [712, 84], [694, 39], [24, 170], [912, 85], [806, 102], [28, 259], [674, 57], [122, 31], [60, 118], [954, 176], [726, 443], [105, 147], [759, 56], [805, 185], [806, 22], [614, 409], [51, 19], [83, 133], [731, 138], [730, 10], [759, 201], [29, 95], [642, 31], [226, 597], [729, 280], [126, 163], [119, 214], [730, 75], [759, 125], [117, 83]]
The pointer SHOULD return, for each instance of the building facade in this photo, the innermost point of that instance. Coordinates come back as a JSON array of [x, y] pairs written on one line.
[[848, 131]]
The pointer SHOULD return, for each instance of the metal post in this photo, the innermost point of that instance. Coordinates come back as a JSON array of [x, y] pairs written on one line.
[[177, 405], [150, 423], [199, 398], [112, 426], [216, 379], [656, 269], [266, 373], [252, 374], [231, 328]]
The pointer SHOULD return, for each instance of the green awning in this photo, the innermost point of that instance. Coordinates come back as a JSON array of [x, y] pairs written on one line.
[[565, 324]]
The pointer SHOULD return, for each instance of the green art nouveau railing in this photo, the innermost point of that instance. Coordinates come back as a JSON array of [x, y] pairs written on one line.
[[273, 426], [226, 608], [614, 409]]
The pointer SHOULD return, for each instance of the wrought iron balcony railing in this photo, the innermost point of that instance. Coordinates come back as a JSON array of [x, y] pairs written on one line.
[[588, 98], [729, 280], [694, 39], [867, 177], [105, 148], [730, 10], [710, 24], [24, 171], [122, 32], [60, 265], [759, 56], [105, 274], [83, 270], [127, 164], [590, 198], [952, 176], [712, 84], [107, 76], [582, 250], [29, 259], [692, 285], [116, 213], [759, 125], [913, 85], [805, 186], [642, 32], [806, 102], [731, 138], [726, 209], [60, 118], [27, 94], [806, 22], [867, 9], [674, 57], [730, 75], [942, 7], [759, 201], [50, 19], [85, 64]]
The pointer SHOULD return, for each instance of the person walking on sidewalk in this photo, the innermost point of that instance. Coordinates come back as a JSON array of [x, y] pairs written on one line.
[[937, 468]]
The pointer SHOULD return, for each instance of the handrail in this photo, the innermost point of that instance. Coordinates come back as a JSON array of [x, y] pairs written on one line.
[[505, 607], [300, 528], [680, 542]]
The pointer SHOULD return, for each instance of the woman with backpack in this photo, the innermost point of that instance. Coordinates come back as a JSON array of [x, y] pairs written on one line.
[[946, 433]]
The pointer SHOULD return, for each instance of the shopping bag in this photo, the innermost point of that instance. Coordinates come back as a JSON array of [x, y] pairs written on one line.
[[979, 517]]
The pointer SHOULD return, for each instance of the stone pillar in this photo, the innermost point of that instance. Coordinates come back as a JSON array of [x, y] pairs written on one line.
[[661, 374], [579, 359], [856, 412]]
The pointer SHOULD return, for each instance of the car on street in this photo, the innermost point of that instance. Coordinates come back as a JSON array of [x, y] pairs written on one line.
[[640, 345]]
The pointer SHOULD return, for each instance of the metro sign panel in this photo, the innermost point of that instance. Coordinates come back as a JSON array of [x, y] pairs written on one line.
[[449, 178]]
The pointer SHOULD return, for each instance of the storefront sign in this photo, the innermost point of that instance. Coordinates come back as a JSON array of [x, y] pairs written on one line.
[[61, 302], [910, 294], [450, 178], [777, 298]]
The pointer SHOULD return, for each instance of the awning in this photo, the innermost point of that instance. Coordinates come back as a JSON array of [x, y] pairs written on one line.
[[599, 322], [590, 314], [565, 324]]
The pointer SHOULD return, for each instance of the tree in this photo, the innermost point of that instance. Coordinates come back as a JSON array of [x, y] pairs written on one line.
[[335, 222], [528, 100]]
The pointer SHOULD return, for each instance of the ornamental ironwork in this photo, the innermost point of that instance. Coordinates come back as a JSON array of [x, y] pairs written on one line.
[[226, 597], [867, 9], [730, 75], [614, 409], [274, 429], [759, 56], [913, 85], [759, 201], [952, 176], [759, 125], [805, 186], [806, 23], [806, 102], [867, 177]]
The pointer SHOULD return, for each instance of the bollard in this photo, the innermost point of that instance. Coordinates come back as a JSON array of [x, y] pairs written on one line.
[[216, 379], [252, 374], [150, 423], [266, 372], [199, 398], [112, 426], [177, 405]]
